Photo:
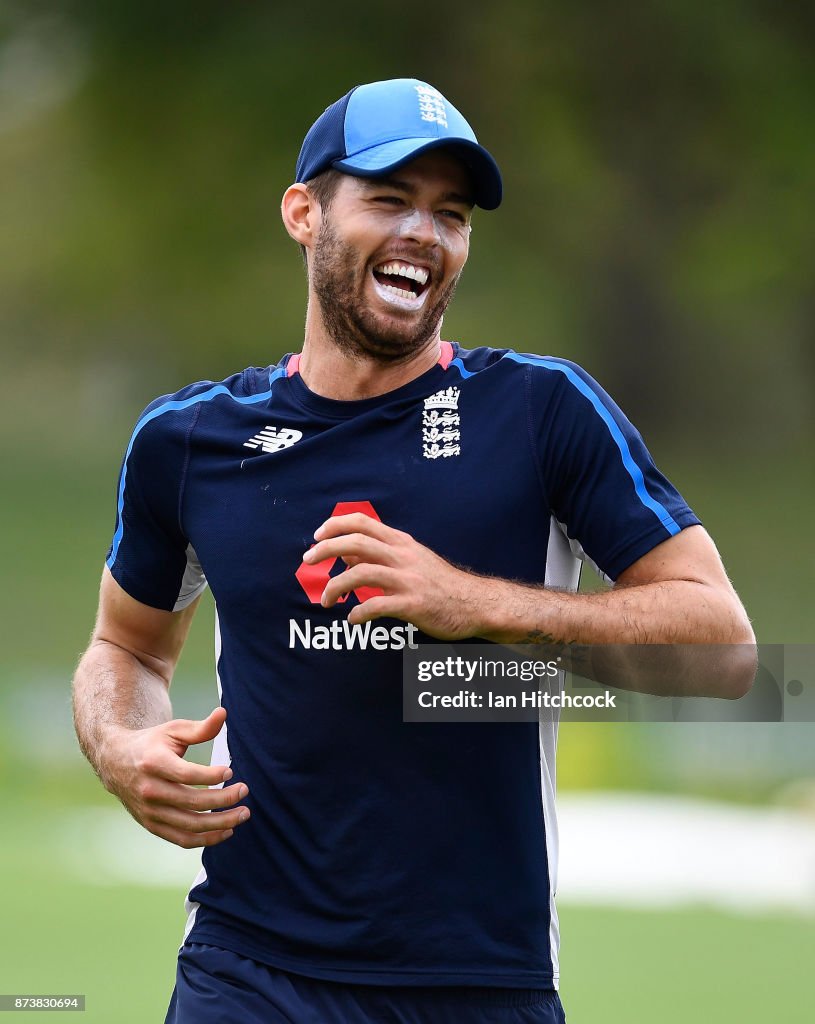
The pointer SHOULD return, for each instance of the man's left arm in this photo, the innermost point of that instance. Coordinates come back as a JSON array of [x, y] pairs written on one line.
[[678, 593]]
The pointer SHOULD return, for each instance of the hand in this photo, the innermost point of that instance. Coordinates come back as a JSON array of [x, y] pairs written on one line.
[[146, 769], [416, 584]]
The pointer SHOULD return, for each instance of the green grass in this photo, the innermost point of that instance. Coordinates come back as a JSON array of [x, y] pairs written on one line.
[[690, 965], [114, 945]]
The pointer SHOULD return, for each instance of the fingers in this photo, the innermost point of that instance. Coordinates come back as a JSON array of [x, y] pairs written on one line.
[[356, 522], [159, 761], [157, 791], [352, 548], [197, 824], [370, 559], [190, 817], [392, 575], [190, 840], [190, 732], [380, 577], [375, 608]]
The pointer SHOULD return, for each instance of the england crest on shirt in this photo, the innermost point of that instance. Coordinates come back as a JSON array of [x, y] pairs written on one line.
[[440, 425]]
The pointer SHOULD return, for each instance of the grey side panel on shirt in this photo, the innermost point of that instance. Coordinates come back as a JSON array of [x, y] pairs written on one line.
[[193, 582]]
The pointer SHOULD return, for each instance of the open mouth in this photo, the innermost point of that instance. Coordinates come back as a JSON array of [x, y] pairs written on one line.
[[402, 281]]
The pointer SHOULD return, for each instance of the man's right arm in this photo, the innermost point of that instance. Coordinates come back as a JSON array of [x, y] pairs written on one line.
[[125, 727]]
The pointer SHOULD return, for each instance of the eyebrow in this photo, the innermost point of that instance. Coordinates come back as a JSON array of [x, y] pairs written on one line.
[[371, 184]]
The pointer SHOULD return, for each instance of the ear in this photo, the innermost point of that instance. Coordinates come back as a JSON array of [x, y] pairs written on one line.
[[301, 214]]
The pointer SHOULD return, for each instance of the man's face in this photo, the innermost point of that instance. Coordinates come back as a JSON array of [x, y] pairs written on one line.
[[389, 254]]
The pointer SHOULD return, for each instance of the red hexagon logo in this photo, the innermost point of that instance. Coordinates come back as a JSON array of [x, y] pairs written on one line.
[[314, 578]]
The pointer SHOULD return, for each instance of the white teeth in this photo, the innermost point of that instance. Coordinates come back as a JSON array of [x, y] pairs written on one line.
[[405, 270], [402, 298], [398, 291]]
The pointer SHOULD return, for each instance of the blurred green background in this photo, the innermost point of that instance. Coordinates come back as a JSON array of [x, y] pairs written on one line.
[[659, 165]]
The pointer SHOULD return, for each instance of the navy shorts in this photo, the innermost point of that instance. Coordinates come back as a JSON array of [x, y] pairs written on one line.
[[215, 986]]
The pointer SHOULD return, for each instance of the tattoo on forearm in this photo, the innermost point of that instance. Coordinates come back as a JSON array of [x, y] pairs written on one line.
[[572, 652], [537, 636]]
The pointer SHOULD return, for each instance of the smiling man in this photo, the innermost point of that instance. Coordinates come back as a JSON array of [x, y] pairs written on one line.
[[378, 488]]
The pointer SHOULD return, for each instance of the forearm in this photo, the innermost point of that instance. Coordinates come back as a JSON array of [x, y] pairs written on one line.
[[113, 690], [699, 640], [665, 612]]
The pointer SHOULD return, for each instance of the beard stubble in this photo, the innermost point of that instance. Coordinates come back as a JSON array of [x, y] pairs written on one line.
[[353, 328]]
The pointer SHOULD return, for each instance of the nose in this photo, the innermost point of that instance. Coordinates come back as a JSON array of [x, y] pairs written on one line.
[[420, 226]]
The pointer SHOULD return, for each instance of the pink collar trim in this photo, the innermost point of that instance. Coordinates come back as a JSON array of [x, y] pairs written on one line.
[[445, 358]]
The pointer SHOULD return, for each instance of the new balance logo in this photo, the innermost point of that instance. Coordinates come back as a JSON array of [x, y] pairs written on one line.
[[274, 439]]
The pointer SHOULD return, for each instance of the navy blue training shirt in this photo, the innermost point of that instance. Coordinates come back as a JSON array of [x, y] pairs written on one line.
[[378, 851]]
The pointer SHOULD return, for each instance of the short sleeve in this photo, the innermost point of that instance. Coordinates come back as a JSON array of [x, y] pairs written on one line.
[[602, 484], [150, 557]]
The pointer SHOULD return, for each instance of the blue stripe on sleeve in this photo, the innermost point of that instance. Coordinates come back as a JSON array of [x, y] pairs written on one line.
[[177, 406], [459, 365], [605, 415]]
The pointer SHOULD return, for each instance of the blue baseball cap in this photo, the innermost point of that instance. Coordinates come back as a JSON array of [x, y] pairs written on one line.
[[376, 128]]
